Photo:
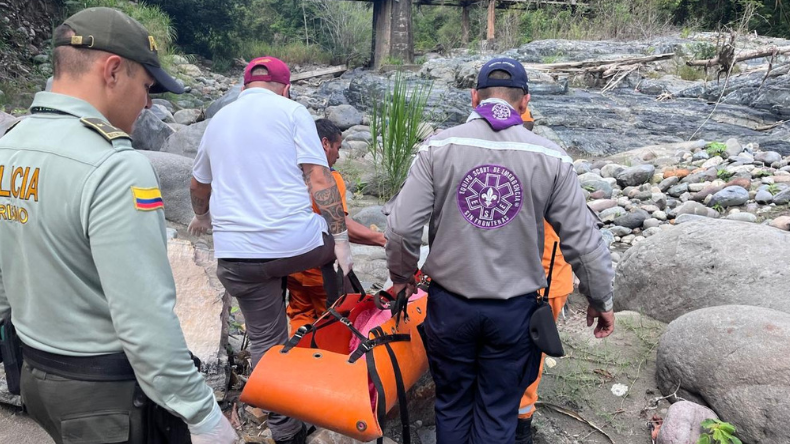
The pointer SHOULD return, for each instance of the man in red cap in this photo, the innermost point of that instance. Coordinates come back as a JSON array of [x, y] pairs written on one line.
[[257, 167]]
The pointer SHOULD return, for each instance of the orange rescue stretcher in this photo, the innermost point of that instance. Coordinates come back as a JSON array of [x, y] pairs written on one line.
[[318, 378]]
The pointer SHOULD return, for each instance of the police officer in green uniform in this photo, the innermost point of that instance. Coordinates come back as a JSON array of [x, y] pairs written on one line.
[[83, 264]]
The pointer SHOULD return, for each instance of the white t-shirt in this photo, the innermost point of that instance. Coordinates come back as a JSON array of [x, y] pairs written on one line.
[[250, 154]]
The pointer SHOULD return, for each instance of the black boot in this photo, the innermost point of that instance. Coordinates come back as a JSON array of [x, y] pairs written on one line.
[[299, 438], [524, 431]]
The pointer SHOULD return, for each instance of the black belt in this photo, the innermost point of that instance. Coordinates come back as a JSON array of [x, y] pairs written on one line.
[[249, 261], [111, 367]]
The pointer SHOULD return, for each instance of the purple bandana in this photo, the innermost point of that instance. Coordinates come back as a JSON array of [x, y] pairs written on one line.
[[499, 115]]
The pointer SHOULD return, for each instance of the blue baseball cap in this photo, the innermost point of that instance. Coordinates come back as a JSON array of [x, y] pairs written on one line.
[[518, 75]]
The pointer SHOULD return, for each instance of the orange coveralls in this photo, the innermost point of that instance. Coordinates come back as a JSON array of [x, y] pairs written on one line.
[[561, 287], [307, 296]]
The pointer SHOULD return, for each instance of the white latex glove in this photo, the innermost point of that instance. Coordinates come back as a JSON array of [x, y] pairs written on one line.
[[343, 252], [222, 433], [200, 224]]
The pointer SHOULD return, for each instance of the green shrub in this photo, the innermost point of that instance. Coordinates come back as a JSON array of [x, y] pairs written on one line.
[[716, 149], [691, 73], [291, 53], [396, 124], [718, 432]]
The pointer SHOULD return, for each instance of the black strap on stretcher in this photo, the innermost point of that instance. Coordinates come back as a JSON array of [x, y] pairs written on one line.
[[398, 307]]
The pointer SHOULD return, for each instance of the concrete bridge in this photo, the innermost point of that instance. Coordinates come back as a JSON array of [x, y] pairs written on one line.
[[392, 23]]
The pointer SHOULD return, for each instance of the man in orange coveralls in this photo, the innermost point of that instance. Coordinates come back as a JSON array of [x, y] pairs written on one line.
[[529, 123], [561, 287], [308, 298]]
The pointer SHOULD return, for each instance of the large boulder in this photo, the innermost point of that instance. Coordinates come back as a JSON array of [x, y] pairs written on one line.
[[705, 263], [682, 424], [344, 116], [150, 132], [371, 216], [202, 307], [734, 359], [228, 98], [186, 141], [174, 173]]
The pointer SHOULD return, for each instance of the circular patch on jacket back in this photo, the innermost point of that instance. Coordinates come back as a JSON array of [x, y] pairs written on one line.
[[489, 196]]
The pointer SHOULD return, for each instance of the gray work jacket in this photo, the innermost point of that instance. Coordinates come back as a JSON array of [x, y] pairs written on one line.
[[486, 194]]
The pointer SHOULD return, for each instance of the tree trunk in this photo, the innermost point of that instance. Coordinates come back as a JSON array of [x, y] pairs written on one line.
[[491, 23], [465, 25]]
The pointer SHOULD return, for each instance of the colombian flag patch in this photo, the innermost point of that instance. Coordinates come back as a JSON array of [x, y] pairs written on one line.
[[147, 199]]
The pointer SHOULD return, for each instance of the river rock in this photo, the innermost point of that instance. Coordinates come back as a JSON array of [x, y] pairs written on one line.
[[344, 116], [228, 98], [731, 196], [782, 223], [632, 219], [187, 116], [175, 175], [764, 197], [662, 276], [682, 425], [371, 216], [732, 358], [186, 141], [150, 133], [635, 176], [202, 307]]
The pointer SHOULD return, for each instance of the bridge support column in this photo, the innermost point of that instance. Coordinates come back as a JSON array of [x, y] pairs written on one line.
[[491, 24], [392, 31]]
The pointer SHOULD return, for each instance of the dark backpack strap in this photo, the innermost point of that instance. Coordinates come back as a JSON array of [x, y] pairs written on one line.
[[402, 398]]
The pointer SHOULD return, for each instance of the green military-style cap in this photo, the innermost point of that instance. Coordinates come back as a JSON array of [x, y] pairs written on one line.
[[110, 30]]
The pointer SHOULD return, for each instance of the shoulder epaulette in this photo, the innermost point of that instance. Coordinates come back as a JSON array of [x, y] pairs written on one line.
[[106, 130]]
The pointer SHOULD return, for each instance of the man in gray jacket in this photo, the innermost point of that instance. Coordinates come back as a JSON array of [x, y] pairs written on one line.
[[486, 186]]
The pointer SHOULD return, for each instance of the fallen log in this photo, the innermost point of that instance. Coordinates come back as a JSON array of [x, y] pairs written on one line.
[[587, 64], [749, 55], [319, 72]]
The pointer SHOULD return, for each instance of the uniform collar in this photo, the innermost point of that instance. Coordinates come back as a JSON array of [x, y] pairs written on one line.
[[66, 104]]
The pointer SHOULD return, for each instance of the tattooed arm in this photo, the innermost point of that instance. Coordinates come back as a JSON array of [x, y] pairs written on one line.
[[323, 188], [325, 194], [200, 193]]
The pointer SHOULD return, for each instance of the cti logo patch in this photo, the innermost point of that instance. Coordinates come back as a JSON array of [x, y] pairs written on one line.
[[147, 199]]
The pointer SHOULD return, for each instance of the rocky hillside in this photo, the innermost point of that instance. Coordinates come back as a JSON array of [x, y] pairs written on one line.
[[25, 33]]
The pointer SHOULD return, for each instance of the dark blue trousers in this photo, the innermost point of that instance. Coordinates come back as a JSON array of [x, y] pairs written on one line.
[[482, 360]]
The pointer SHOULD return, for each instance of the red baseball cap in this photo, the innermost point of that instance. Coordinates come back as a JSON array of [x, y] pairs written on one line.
[[278, 71]]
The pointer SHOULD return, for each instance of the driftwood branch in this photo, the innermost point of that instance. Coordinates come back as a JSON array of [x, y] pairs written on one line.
[[598, 65], [748, 55], [319, 72]]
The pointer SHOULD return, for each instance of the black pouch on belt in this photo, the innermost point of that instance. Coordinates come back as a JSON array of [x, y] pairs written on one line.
[[10, 354], [542, 326], [163, 427]]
